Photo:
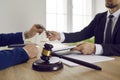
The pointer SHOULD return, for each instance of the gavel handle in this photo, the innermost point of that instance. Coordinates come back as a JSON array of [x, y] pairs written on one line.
[[78, 61]]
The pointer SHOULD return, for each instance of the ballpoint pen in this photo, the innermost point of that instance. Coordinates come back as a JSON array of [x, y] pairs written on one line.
[[19, 45], [48, 33]]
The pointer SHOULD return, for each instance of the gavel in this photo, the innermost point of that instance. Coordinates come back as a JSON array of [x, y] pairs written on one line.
[[44, 64]]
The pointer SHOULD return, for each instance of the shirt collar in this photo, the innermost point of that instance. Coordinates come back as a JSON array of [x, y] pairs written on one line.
[[115, 14]]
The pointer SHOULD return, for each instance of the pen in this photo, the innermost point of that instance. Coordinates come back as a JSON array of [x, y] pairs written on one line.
[[78, 61], [47, 33], [18, 45]]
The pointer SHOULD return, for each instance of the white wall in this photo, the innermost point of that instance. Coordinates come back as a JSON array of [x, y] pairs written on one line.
[[20, 15], [99, 6]]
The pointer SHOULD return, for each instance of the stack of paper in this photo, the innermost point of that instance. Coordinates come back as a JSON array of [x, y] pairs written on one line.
[[86, 58], [62, 49], [57, 46]]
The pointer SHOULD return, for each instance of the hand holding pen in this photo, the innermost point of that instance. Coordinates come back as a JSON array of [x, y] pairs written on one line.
[[36, 28], [53, 35]]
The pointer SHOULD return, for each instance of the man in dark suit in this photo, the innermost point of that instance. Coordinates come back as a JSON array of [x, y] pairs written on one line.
[[19, 54], [105, 27]]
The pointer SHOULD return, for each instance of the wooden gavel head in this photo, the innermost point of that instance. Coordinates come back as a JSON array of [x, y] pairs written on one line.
[[46, 53]]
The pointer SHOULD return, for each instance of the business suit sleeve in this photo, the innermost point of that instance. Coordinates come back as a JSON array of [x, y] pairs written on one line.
[[11, 38], [111, 49], [86, 33], [12, 57]]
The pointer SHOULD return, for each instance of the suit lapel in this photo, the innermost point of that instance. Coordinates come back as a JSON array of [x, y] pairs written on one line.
[[117, 26], [103, 23]]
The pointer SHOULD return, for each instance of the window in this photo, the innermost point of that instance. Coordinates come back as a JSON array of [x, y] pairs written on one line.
[[56, 15], [68, 15]]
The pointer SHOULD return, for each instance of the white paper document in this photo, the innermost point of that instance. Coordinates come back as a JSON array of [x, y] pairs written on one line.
[[62, 49], [86, 58]]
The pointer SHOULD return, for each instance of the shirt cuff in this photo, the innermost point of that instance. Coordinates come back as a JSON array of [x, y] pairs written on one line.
[[99, 49], [62, 37], [26, 52], [23, 36]]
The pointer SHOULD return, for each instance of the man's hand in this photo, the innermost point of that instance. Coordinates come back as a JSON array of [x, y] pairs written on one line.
[[53, 35], [85, 48], [36, 28], [31, 50]]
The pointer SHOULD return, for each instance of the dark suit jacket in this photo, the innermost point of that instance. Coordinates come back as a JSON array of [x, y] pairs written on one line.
[[96, 29], [12, 57]]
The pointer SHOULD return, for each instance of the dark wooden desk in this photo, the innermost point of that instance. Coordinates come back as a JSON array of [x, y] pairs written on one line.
[[111, 71]]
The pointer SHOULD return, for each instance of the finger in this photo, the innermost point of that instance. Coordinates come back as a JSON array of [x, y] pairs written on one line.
[[80, 44], [48, 33], [51, 38], [84, 52], [76, 48], [52, 32], [39, 26]]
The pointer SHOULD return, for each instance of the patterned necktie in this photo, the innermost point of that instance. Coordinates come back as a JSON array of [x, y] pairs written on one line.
[[108, 35]]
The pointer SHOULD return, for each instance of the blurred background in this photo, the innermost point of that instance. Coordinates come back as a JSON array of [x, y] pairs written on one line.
[[58, 15]]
